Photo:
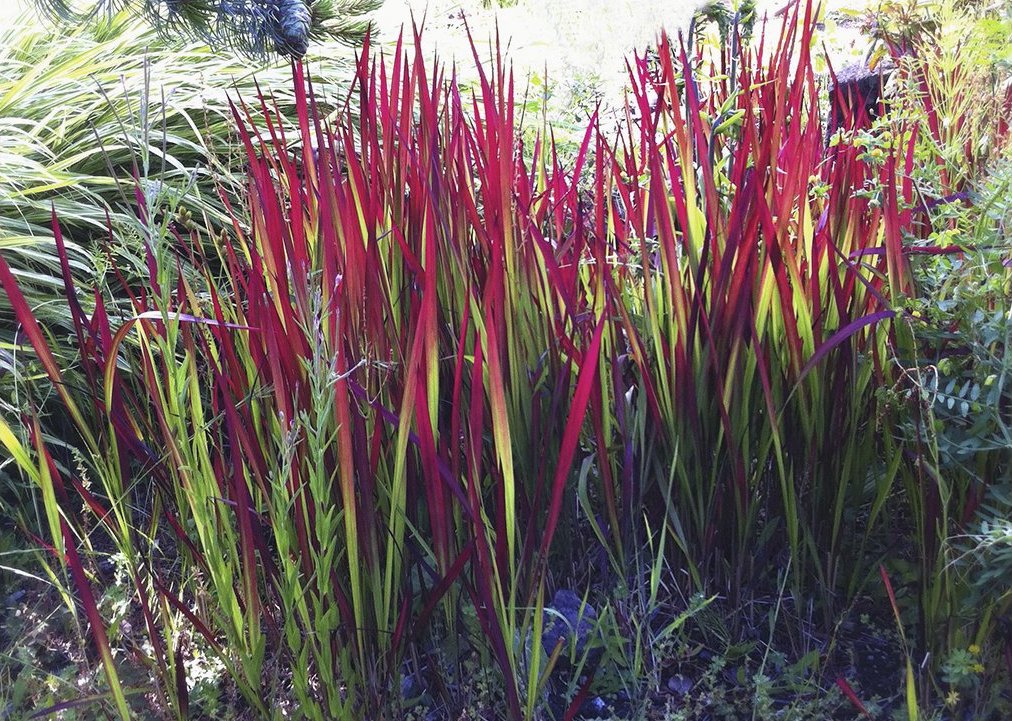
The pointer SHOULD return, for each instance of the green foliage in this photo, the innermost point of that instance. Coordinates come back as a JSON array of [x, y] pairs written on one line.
[[255, 28], [964, 332], [729, 18], [952, 82], [951, 86], [82, 113]]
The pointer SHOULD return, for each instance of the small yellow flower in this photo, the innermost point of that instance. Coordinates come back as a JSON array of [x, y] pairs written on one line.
[[978, 668], [974, 649], [951, 699]]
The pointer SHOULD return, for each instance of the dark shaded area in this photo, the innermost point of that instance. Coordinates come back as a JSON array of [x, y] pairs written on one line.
[[855, 95]]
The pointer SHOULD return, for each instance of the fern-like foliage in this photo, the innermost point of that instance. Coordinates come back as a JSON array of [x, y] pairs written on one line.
[[253, 27]]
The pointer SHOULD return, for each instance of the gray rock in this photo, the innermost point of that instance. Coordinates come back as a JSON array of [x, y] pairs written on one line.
[[564, 620], [595, 707], [679, 685], [411, 689], [857, 90]]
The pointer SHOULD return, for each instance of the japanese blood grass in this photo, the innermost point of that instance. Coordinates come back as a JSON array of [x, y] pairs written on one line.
[[367, 411], [754, 303], [359, 417]]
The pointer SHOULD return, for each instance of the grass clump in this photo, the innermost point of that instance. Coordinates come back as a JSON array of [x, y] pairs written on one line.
[[434, 395]]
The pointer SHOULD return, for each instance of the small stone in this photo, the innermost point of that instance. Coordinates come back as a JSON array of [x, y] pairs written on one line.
[[595, 706], [567, 619], [679, 685], [411, 689]]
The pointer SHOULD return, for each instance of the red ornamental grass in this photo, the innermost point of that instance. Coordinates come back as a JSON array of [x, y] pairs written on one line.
[[757, 321], [370, 407]]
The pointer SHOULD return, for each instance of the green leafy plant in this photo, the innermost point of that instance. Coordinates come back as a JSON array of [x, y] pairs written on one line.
[[254, 28], [951, 81], [85, 111]]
